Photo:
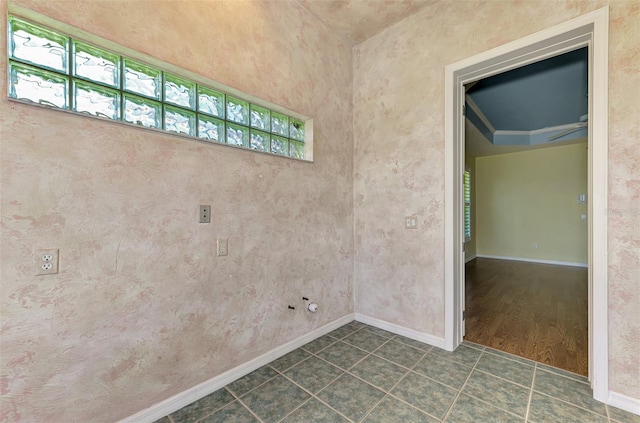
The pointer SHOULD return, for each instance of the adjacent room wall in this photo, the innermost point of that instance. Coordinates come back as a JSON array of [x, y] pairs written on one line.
[[142, 309], [399, 160], [530, 198]]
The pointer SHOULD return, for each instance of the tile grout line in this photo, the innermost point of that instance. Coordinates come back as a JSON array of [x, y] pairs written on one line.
[[386, 394], [561, 375], [257, 386], [522, 360], [563, 372], [347, 371], [299, 406], [313, 396], [364, 329], [278, 373], [450, 360], [310, 393], [409, 345], [215, 410], [413, 406], [482, 400], [529, 362], [237, 398], [291, 367], [503, 379], [575, 405], [533, 381], [493, 405], [424, 353], [462, 387], [390, 395], [515, 383], [250, 411], [412, 370], [344, 371]]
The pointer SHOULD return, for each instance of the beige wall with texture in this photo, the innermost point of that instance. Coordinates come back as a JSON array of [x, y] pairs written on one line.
[[142, 309], [530, 198], [140, 312], [399, 160]]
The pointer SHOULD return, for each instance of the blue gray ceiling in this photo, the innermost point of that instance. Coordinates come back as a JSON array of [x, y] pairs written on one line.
[[536, 104]]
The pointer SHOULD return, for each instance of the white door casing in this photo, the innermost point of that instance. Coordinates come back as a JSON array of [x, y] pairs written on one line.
[[590, 30]]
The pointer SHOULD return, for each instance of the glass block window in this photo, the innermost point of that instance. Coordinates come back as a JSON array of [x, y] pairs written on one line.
[[53, 69]]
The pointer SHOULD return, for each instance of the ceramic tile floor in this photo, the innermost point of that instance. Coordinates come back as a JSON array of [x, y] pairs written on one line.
[[360, 373]]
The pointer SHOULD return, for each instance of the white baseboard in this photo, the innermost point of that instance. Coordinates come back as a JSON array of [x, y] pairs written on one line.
[[185, 398], [400, 330], [623, 402], [530, 260], [468, 259]]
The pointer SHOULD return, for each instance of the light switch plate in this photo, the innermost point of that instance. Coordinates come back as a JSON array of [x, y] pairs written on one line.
[[223, 246], [411, 222]]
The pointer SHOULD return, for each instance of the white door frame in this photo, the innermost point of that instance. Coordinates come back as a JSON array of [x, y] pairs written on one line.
[[590, 30]]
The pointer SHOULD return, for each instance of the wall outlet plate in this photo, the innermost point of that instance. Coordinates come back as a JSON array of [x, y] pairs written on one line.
[[205, 214], [223, 245], [46, 261]]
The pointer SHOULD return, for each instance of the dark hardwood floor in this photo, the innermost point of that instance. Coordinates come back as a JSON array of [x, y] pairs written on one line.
[[536, 311]]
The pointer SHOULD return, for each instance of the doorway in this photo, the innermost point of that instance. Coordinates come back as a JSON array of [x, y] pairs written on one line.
[[591, 31], [526, 290]]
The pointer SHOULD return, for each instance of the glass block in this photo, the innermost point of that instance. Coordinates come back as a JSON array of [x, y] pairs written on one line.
[[142, 79], [211, 129], [142, 111], [179, 91], [179, 120], [260, 140], [237, 111], [37, 45], [296, 129], [96, 64], [296, 149], [279, 145], [38, 86], [260, 118], [279, 124], [96, 100], [237, 135], [210, 102]]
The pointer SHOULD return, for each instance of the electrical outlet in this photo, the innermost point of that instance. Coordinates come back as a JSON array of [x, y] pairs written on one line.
[[223, 245], [46, 261], [411, 222], [205, 214]]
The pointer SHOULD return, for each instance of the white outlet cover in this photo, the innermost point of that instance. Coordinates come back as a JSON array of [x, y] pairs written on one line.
[[46, 261]]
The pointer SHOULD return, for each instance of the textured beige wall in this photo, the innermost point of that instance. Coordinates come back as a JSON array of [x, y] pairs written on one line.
[[529, 198], [142, 309], [399, 160]]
